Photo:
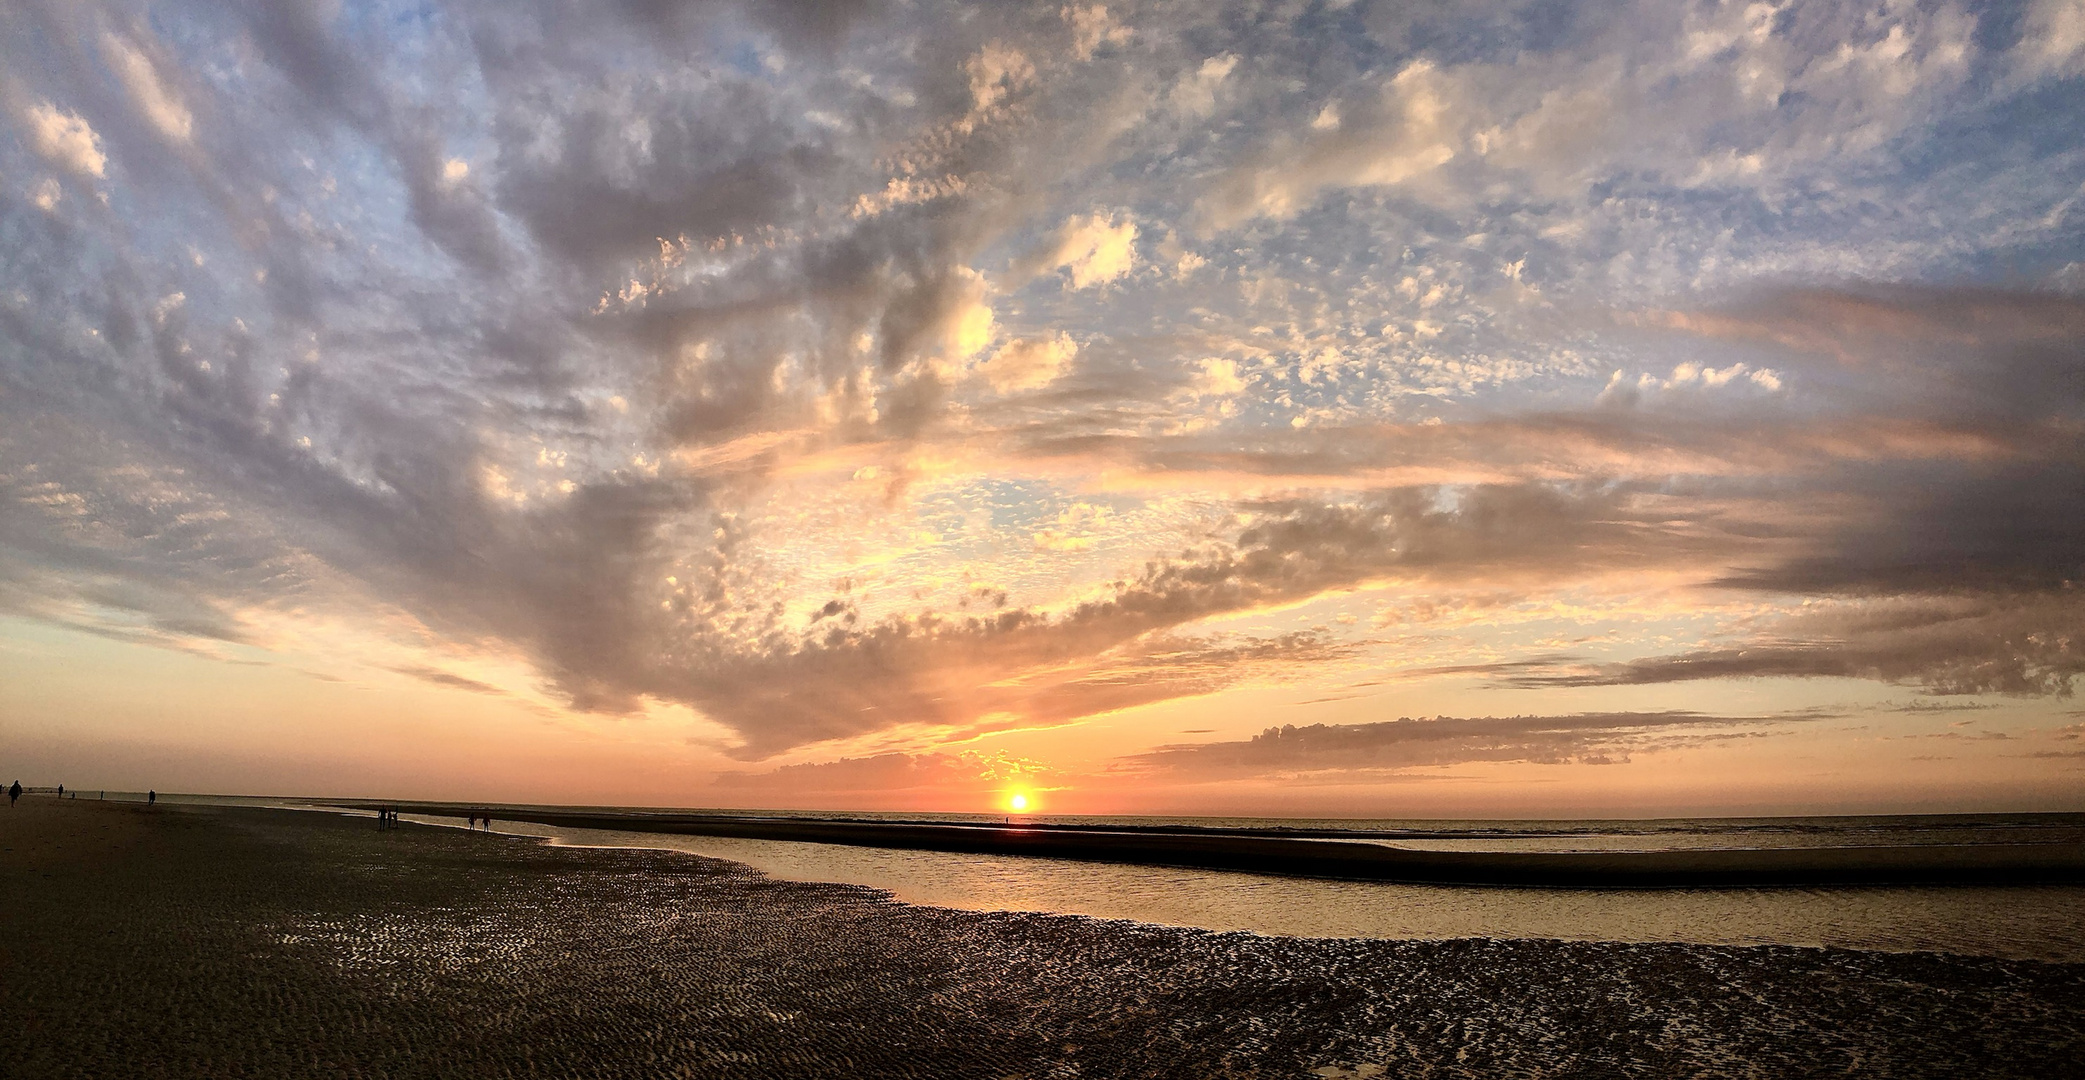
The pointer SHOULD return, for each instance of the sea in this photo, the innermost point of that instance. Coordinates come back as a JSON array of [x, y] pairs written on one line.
[[2014, 922]]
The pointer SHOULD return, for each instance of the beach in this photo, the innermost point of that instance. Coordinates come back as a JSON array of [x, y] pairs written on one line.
[[217, 941]]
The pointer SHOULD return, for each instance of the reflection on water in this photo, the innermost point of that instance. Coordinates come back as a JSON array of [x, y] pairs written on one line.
[[2040, 923]]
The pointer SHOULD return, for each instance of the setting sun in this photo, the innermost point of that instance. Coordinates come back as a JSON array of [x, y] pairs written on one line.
[[1018, 803]]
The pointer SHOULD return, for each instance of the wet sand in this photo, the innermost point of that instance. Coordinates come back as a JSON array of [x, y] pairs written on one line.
[[204, 941], [1318, 854]]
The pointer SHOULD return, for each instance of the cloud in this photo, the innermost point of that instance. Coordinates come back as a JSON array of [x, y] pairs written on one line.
[[448, 680], [997, 70], [1348, 753], [949, 679], [1094, 250], [2053, 37], [160, 103], [1092, 27], [64, 139], [1124, 645], [1029, 363], [1983, 644], [1407, 127], [1737, 97], [1195, 93]]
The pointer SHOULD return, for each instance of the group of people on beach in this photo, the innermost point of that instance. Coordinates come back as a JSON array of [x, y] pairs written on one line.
[[14, 793], [387, 818]]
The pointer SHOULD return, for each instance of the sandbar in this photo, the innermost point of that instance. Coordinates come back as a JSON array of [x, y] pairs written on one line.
[[1319, 854]]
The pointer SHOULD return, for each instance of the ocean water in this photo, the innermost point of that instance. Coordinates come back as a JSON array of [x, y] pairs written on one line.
[[2014, 922], [2019, 922]]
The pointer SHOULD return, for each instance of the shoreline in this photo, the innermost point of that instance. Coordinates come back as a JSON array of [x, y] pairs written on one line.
[[1320, 855]]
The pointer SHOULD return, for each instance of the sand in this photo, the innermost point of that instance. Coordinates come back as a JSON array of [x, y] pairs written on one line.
[[202, 941]]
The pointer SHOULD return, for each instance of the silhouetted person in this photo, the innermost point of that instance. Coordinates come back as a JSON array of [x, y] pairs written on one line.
[[474, 821], [61, 791], [14, 792], [152, 798]]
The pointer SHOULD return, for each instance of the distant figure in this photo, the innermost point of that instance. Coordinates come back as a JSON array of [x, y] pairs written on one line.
[[152, 798], [61, 791], [14, 792], [474, 821]]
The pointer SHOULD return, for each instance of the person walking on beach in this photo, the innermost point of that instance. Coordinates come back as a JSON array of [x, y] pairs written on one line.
[[14, 792], [152, 798]]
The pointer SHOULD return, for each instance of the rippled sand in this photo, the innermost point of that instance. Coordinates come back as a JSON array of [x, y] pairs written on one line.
[[219, 942]]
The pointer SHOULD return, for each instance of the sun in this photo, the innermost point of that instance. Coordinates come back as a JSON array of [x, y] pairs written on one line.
[[1018, 803]]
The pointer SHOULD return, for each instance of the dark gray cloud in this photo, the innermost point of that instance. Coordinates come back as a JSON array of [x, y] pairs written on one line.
[[1981, 644], [1350, 752], [1959, 572], [448, 679]]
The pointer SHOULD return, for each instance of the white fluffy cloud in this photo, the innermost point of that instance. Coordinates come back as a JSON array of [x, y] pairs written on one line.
[[1195, 94], [1092, 27], [1029, 363], [2054, 42], [1408, 127], [1094, 249], [64, 139], [997, 70]]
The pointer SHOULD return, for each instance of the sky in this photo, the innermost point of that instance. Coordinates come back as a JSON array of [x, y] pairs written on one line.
[[1394, 409]]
